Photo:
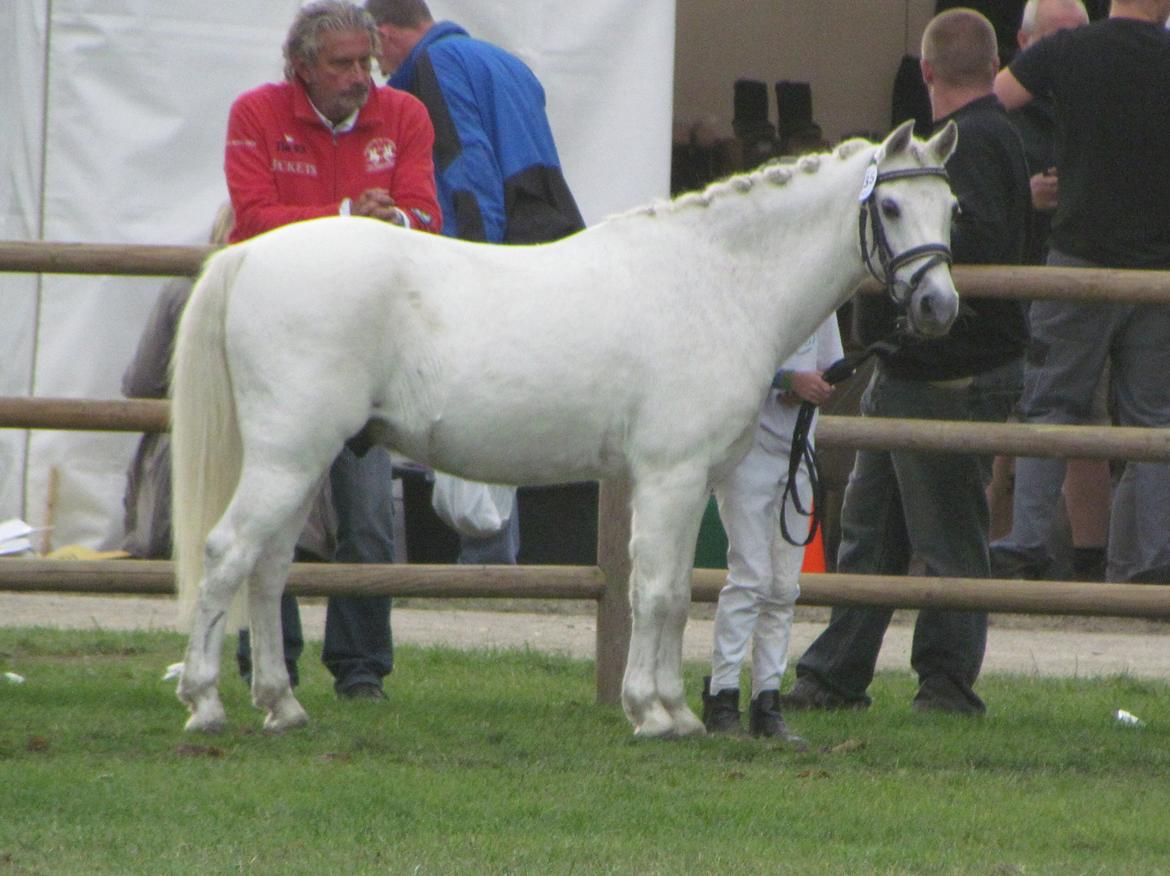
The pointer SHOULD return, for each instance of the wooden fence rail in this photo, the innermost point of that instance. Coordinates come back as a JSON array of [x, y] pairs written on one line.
[[851, 433], [990, 281], [156, 577]]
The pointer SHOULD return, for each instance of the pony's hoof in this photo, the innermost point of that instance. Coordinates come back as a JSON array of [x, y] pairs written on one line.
[[686, 724], [207, 724], [657, 727], [286, 719]]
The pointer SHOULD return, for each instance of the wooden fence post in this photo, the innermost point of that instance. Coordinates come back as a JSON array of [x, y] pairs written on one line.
[[613, 608]]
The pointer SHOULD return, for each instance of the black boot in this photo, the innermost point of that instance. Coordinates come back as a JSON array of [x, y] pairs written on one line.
[[720, 712], [764, 718]]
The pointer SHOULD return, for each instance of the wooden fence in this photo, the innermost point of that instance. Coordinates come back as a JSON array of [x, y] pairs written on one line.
[[606, 583]]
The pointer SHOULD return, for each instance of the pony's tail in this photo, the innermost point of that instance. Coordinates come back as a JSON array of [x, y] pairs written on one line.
[[205, 438]]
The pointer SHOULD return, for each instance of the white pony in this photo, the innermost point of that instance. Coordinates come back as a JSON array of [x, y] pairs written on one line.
[[640, 348]]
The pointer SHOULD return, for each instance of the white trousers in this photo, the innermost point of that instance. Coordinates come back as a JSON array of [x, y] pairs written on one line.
[[763, 569]]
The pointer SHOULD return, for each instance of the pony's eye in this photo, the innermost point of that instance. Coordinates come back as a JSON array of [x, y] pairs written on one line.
[[956, 211], [890, 208]]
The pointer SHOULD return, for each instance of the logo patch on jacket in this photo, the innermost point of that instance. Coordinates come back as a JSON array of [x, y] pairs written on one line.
[[381, 153]]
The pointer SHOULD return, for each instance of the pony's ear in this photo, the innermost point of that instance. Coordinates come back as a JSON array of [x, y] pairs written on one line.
[[898, 141], [942, 144]]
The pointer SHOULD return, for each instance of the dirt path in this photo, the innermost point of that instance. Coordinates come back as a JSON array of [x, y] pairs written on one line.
[[1041, 646]]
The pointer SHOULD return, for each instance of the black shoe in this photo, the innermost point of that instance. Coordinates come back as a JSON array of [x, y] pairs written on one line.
[[807, 696], [937, 693], [764, 719], [720, 712], [363, 690], [1088, 564]]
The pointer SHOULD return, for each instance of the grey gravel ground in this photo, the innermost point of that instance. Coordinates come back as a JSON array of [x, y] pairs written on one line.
[[1039, 646]]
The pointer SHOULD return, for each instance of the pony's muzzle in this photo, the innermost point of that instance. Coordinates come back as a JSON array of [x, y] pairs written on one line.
[[934, 305]]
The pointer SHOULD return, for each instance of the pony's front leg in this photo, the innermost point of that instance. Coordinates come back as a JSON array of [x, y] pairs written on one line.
[[669, 676], [271, 688], [666, 510]]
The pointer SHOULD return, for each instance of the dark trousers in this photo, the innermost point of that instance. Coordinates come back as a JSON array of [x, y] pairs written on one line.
[[358, 645], [901, 505], [294, 640]]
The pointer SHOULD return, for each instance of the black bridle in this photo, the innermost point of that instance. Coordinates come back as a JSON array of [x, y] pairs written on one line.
[[887, 261]]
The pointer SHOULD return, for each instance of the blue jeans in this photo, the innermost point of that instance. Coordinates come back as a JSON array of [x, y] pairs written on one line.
[[358, 645], [900, 505], [1071, 341]]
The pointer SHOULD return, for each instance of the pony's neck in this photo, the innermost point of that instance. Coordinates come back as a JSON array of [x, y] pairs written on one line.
[[806, 250], [811, 207]]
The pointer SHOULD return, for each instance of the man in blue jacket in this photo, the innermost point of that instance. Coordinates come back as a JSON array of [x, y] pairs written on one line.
[[497, 171]]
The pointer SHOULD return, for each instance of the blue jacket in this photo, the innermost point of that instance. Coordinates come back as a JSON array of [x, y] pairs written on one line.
[[496, 167]]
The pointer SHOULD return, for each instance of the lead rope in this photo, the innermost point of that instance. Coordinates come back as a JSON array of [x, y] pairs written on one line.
[[803, 451]]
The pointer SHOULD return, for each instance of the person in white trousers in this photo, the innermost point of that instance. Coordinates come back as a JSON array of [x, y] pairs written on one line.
[[763, 569]]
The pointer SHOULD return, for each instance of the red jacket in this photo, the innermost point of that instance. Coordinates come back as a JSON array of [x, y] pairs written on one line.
[[283, 165]]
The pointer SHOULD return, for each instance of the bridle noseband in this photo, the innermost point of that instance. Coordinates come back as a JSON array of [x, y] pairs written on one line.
[[888, 261]]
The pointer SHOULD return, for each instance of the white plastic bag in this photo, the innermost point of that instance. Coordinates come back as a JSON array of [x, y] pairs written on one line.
[[472, 508]]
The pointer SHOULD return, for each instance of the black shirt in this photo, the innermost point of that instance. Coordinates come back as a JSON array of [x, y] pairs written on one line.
[[1110, 84]]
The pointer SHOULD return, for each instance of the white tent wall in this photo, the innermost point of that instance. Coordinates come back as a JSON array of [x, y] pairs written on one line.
[[23, 29], [114, 119]]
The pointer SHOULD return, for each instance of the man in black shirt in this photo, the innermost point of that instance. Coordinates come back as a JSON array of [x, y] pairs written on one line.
[[903, 505], [1108, 82], [1078, 548]]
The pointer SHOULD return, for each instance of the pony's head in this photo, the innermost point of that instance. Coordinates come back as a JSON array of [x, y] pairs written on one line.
[[905, 226]]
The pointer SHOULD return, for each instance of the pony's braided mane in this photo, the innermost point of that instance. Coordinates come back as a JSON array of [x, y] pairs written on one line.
[[777, 172]]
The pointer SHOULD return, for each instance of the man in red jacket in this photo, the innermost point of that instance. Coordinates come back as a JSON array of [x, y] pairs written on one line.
[[328, 142]]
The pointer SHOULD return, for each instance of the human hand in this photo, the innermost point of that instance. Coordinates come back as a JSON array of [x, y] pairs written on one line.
[[810, 386], [377, 204], [1045, 188]]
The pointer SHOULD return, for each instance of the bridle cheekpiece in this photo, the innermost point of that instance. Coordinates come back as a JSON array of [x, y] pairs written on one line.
[[888, 262]]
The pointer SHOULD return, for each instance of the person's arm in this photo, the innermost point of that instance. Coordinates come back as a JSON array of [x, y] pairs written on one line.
[[146, 375], [250, 180], [981, 177], [1009, 90], [413, 187], [1031, 73], [829, 348]]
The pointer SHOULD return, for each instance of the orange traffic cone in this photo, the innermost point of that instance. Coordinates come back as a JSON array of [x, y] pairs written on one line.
[[814, 554]]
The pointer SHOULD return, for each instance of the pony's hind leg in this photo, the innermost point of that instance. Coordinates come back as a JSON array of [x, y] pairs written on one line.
[[268, 504], [666, 512], [271, 688], [227, 563]]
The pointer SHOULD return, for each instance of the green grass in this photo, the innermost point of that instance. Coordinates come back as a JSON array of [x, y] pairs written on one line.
[[500, 762]]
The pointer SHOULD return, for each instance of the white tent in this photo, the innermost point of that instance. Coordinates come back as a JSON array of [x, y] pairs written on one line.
[[114, 116]]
